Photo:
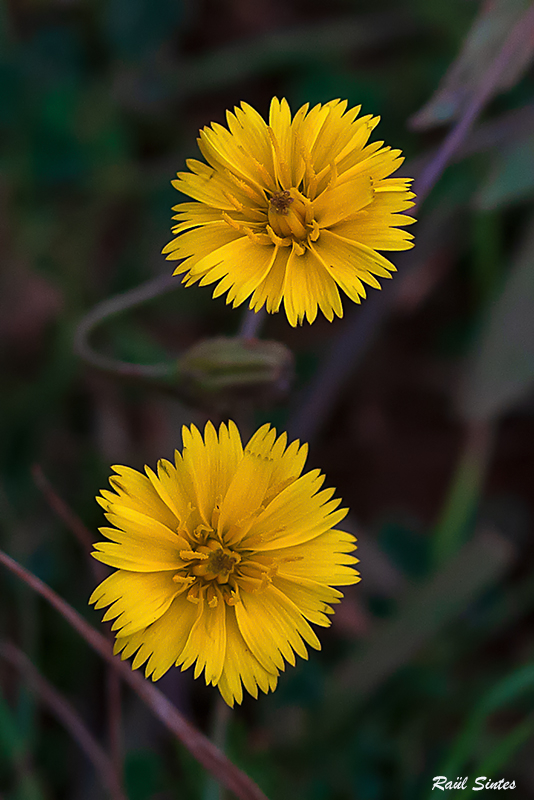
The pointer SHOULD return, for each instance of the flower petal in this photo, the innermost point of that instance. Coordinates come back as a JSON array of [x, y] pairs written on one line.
[[206, 643], [242, 667], [162, 643], [136, 599]]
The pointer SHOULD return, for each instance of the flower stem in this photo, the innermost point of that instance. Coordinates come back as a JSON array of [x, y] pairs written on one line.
[[221, 718], [110, 308], [252, 323], [520, 34]]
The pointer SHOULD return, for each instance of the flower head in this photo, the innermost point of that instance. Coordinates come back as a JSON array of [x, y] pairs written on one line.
[[223, 559], [291, 211]]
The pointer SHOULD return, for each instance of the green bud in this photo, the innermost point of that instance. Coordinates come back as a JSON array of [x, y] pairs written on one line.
[[218, 370]]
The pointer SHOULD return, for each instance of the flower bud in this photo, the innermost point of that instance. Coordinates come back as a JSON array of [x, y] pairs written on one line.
[[218, 371]]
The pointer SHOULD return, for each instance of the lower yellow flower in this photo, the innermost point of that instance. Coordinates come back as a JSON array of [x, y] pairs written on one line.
[[223, 559]]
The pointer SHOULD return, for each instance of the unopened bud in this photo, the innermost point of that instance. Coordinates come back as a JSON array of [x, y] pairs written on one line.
[[222, 369]]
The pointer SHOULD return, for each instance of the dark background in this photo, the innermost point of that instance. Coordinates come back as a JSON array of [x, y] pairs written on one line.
[[429, 439]]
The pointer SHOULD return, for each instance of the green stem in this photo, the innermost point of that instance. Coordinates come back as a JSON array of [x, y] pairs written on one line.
[[110, 308], [221, 719], [252, 323]]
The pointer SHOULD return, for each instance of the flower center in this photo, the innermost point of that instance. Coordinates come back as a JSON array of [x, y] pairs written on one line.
[[290, 215], [211, 570], [281, 201], [212, 561]]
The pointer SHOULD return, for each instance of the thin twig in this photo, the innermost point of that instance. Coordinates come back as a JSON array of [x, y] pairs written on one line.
[[67, 715], [198, 745], [362, 325], [71, 520], [348, 349], [85, 539], [522, 31]]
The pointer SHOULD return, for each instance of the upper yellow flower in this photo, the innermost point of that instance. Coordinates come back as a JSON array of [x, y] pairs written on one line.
[[291, 210], [222, 558]]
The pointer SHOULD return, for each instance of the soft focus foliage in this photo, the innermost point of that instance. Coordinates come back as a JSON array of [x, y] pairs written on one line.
[[427, 663]]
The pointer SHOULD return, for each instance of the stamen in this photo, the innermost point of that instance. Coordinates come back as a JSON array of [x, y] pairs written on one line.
[[280, 164], [216, 513], [234, 201], [277, 240], [281, 201], [193, 594], [246, 188], [191, 555], [314, 235], [211, 597]]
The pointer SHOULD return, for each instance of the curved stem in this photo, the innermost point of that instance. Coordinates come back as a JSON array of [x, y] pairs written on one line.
[[85, 538], [110, 308], [200, 747]]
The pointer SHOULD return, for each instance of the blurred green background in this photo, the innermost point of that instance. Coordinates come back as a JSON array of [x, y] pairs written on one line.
[[428, 668]]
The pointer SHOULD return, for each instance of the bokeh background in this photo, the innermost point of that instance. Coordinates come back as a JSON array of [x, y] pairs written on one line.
[[418, 405]]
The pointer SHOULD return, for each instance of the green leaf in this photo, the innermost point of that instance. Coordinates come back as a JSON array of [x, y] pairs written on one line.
[[502, 753]]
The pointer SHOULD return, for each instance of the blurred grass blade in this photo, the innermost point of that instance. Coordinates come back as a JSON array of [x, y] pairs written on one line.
[[15, 755], [488, 33], [503, 751], [459, 511], [11, 741], [67, 716], [425, 610], [290, 48], [511, 178], [500, 370], [502, 694]]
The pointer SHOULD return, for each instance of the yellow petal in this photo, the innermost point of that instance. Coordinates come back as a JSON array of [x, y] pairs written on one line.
[[136, 599], [324, 559], [241, 667], [206, 644]]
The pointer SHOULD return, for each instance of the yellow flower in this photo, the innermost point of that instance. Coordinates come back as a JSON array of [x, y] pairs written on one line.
[[223, 559], [291, 210]]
